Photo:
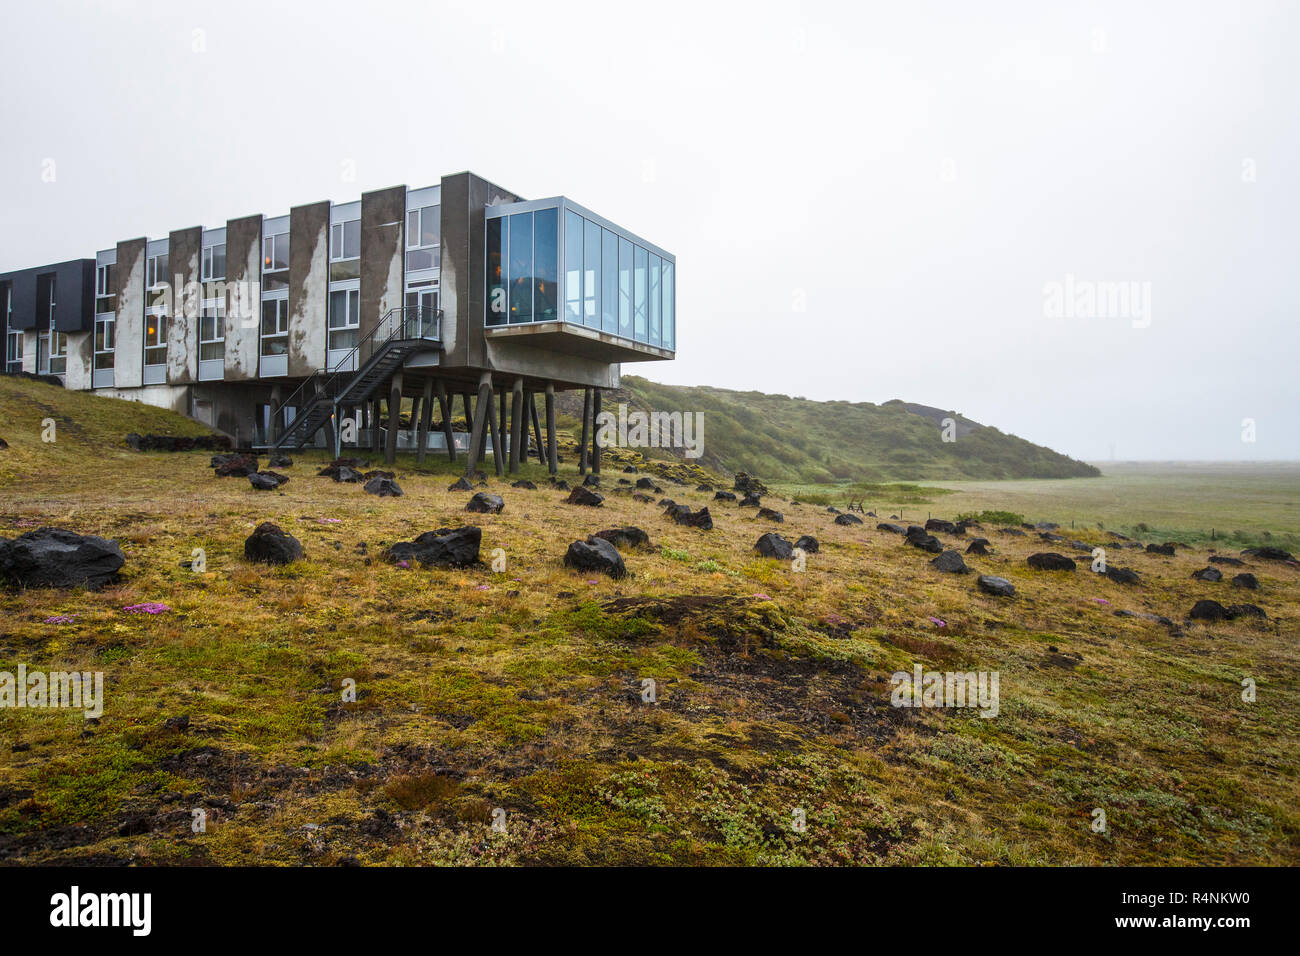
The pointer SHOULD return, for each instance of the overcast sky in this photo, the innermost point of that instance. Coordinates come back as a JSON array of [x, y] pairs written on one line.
[[866, 200]]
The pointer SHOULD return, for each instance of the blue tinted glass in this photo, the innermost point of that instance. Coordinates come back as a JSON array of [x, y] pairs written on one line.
[[547, 268], [624, 288], [638, 293], [496, 284], [572, 267], [655, 299], [609, 281], [669, 320], [591, 276], [521, 267]]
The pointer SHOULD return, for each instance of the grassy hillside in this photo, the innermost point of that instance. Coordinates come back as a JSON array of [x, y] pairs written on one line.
[[521, 690], [795, 440]]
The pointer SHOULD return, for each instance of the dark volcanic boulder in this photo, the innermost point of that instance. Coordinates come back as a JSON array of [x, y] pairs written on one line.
[[978, 546], [771, 514], [592, 480], [624, 538], [1208, 611], [269, 545], [951, 563], [808, 544], [1246, 580], [484, 503], [991, 584], [1050, 561], [847, 519], [724, 496], [1268, 554], [559, 484], [280, 461], [376, 473], [461, 484], [1122, 575], [595, 554], [629, 470], [1208, 574], [238, 466], [348, 474], [1224, 559], [749, 485], [56, 558], [751, 501], [344, 469], [938, 524], [704, 487], [1166, 549], [1013, 532], [645, 483], [383, 487], [891, 528], [524, 483], [772, 545], [1245, 610], [443, 548], [267, 480], [917, 538], [642, 497], [700, 519], [582, 495]]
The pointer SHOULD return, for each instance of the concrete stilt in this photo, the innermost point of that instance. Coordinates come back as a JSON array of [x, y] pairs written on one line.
[[394, 417], [552, 451], [498, 456], [478, 428], [516, 422], [586, 431], [444, 409], [426, 420], [595, 432]]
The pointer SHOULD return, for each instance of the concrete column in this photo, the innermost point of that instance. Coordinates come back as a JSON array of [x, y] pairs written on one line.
[[552, 451], [374, 425], [595, 432], [516, 421], [444, 409], [394, 417], [498, 456], [426, 419], [586, 433], [538, 442], [478, 427]]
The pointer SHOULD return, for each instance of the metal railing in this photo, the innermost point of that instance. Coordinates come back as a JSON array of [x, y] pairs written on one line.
[[396, 325]]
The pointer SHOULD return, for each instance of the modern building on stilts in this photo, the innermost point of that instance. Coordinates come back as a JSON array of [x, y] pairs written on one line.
[[310, 329]]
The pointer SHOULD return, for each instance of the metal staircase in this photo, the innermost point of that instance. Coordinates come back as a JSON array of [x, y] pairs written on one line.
[[400, 333]]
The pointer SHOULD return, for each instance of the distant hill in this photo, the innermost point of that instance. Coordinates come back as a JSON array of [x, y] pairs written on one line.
[[780, 438]]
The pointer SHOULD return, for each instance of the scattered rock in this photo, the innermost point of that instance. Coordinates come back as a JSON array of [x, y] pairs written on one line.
[[808, 544], [1122, 575], [1050, 561], [267, 480], [444, 547], [705, 487], [991, 584], [891, 528], [771, 514], [461, 484], [938, 524], [525, 484], [238, 466], [57, 558], [1166, 549], [751, 501], [624, 538], [559, 484], [1208, 574], [749, 485], [1245, 610], [269, 545], [280, 461], [700, 519], [592, 480], [917, 538], [724, 496], [1268, 554], [950, 562], [772, 545], [978, 546], [1013, 532], [595, 554], [383, 487], [174, 443], [1246, 580], [582, 495], [1224, 559], [645, 483], [484, 503], [847, 519], [1208, 611]]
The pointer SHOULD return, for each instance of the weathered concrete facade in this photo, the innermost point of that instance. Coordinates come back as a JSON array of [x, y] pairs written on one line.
[[183, 326], [309, 229], [128, 359], [243, 275], [383, 218]]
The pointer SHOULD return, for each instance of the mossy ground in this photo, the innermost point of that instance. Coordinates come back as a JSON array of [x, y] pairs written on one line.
[[521, 691]]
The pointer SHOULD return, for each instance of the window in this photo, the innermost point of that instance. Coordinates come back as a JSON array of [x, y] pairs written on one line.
[[155, 271], [13, 350], [421, 318], [624, 288], [546, 267], [275, 327], [572, 267], [609, 281], [639, 293], [422, 250], [496, 280], [214, 262], [155, 339], [275, 262], [105, 326], [344, 321], [591, 275], [668, 325], [655, 298], [212, 331], [345, 250], [105, 294], [521, 268]]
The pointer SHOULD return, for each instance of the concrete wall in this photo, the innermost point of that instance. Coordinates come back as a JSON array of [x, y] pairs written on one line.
[[383, 254], [309, 229], [243, 309], [174, 397], [81, 356], [128, 358], [183, 328], [29, 351]]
